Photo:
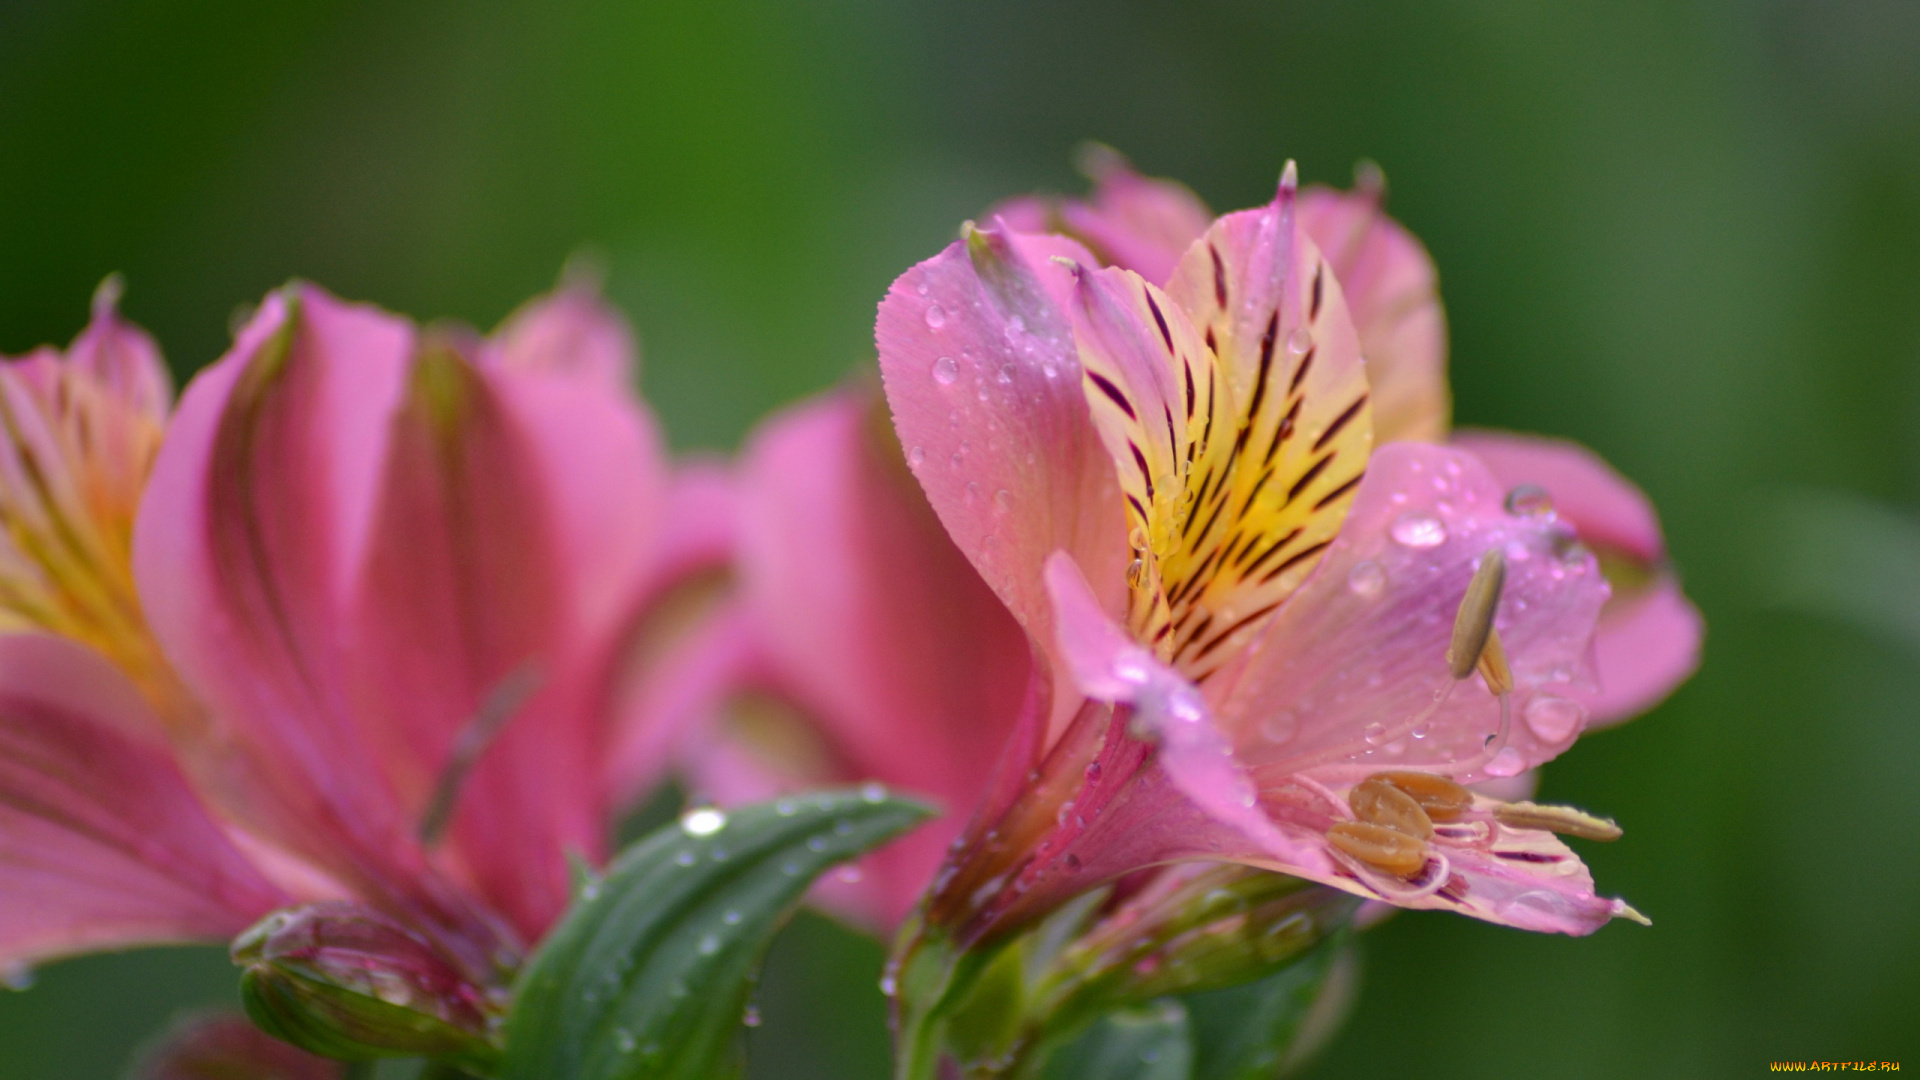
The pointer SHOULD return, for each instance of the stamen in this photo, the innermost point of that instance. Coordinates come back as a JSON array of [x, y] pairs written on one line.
[[1440, 798], [1559, 819], [1378, 802], [494, 712], [1624, 910], [1493, 665], [1387, 850], [1473, 624]]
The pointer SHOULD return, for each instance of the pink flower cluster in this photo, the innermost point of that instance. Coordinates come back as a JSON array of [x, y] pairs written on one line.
[[1155, 546]]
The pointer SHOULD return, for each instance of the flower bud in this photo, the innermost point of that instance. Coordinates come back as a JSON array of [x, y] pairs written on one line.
[[346, 982]]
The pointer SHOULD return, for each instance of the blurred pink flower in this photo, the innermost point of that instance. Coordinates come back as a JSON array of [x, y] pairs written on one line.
[[1246, 615], [392, 572], [1649, 638], [858, 644]]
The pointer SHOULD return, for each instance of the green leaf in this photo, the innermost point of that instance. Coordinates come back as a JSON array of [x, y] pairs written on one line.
[[1150, 1043], [649, 973], [1254, 1030]]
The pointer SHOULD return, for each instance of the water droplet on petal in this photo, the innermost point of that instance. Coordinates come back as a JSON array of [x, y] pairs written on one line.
[[1281, 727], [1376, 733], [1417, 529], [916, 455], [1003, 499], [1530, 501], [1093, 770], [1299, 341], [785, 807], [731, 918], [1366, 579], [624, 1039], [945, 370], [1554, 718], [751, 1017], [1137, 573], [816, 843], [1507, 762], [888, 986], [686, 858], [590, 891], [936, 316], [873, 792], [704, 821], [709, 944], [1016, 325], [1137, 538], [850, 874]]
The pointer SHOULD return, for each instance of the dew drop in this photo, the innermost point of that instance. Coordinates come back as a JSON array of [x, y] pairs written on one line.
[[1137, 538], [1093, 770], [945, 370], [1554, 718], [624, 1039], [1376, 733], [1016, 326], [785, 807], [590, 891], [888, 986], [1422, 730], [1417, 529], [1003, 499], [873, 792], [1005, 377], [936, 316], [1366, 579], [1529, 501], [1299, 341], [1281, 727], [850, 874], [709, 944], [816, 843], [704, 821], [1507, 762], [1137, 573], [751, 1017], [916, 455]]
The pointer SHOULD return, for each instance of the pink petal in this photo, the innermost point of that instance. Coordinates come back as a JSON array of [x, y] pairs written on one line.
[[1605, 508], [1650, 634], [122, 359], [1141, 223], [1343, 679], [571, 330], [249, 545], [979, 364], [886, 633], [872, 620], [1108, 666], [246, 548], [1393, 293], [104, 844]]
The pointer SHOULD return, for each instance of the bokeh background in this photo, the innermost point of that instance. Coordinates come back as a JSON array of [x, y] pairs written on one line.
[[1687, 234]]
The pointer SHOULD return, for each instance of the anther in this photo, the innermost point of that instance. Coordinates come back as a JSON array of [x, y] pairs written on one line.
[[1387, 850], [1377, 802], [1624, 910], [1493, 665], [1440, 798], [1559, 819], [1473, 624]]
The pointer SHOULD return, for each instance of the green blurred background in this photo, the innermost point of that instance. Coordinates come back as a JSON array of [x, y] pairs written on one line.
[[1687, 234]]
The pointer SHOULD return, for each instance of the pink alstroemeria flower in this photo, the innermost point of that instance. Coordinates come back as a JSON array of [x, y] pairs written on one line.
[[1247, 612], [1649, 637], [356, 643]]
